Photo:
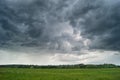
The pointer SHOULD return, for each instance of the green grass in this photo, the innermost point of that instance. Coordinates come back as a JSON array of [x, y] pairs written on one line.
[[59, 74]]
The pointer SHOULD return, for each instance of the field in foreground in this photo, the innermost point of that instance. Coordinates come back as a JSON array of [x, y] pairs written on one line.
[[59, 74]]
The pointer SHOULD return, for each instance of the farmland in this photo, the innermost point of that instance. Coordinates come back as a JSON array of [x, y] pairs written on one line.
[[59, 74]]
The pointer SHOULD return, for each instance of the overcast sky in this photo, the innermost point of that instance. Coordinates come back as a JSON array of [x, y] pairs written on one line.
[[59, 31]]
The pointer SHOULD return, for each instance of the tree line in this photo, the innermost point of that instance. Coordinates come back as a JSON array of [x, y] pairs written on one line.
[[76, 66]]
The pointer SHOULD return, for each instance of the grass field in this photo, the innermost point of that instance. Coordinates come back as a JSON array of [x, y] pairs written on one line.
[[59, 74]]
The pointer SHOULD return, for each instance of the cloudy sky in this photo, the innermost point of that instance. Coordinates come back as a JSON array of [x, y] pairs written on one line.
[[59, 31]]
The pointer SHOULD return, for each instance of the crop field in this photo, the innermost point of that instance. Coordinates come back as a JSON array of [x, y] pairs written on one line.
[[59, 74]]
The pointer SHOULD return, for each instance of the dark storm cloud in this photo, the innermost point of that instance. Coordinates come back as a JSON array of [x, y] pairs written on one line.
[[99, 21], [57, 24], [35, 23]]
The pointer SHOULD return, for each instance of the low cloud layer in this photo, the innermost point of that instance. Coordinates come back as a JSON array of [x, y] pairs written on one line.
[[59, 26]]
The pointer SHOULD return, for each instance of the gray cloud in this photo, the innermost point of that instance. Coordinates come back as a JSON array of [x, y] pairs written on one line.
[[61, 25], [99, 22]]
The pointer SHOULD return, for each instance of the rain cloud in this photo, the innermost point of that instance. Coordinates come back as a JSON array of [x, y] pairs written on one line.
[[60, 26]]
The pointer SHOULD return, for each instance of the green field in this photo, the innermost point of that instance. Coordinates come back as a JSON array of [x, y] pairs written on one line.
[[59, 74]]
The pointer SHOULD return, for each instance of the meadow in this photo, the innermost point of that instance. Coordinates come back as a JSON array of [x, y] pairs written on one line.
[[59, 74]]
